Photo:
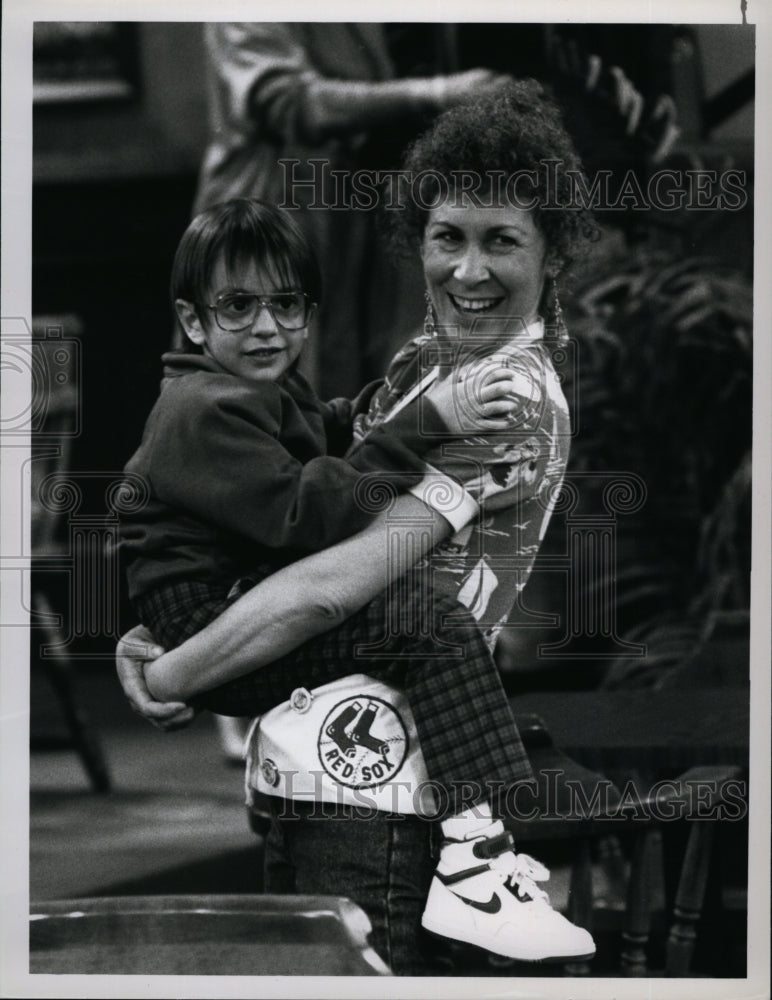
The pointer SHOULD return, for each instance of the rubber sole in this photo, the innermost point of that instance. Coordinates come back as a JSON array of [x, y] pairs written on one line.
[[465, 947]]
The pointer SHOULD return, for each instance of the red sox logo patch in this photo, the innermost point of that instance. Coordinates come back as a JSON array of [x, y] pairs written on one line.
[[363, 742]]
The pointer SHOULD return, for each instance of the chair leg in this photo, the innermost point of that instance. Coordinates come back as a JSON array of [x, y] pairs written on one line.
[[580, 900], [690, 896], [84, 739], [635, 934]]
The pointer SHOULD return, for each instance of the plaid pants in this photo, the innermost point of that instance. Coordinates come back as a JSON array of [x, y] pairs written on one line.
[[411, 637]]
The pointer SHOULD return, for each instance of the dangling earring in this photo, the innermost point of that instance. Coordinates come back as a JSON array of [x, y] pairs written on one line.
[[430, 320], [556, 327]]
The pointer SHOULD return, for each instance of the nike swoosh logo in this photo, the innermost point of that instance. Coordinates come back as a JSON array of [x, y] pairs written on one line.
[[492, 906]]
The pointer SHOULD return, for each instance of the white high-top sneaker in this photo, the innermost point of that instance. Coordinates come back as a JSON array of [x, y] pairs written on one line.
[[485, 894]]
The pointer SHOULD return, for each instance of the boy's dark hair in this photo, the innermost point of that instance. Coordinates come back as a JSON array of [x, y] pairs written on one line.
[[243, 229], [515, 129]]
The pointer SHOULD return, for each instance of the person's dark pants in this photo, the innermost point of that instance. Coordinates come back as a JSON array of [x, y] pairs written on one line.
[[383, 863]]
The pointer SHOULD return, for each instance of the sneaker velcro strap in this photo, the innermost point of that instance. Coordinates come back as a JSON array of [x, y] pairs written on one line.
[[494, 846]]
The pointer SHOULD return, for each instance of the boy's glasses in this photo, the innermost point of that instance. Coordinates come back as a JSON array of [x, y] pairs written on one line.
[[235, 311]]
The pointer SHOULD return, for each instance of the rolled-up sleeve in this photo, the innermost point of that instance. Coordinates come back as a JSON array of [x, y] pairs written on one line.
[[261, 73], [446, 496]]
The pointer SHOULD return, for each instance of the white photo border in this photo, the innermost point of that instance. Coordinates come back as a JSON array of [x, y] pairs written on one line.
[[18, 17]]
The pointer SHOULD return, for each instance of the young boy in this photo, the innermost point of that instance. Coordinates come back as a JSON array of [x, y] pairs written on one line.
[[235, 454]]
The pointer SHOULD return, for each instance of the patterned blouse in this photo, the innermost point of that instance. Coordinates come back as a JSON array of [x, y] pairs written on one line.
[[514, 475]]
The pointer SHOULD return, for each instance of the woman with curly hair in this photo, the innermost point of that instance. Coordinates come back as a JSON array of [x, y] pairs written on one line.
[[493, 221]]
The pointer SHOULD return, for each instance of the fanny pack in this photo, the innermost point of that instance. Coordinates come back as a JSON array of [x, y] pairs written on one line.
[[352, 742]]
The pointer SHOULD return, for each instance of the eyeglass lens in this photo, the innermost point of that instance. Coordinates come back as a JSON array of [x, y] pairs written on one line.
[[236, 312]]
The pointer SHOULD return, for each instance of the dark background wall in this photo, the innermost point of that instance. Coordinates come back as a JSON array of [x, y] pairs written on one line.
[[160, 133], [113, 185]]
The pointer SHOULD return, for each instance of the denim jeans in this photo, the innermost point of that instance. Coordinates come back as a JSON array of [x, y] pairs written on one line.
[[382, 862]]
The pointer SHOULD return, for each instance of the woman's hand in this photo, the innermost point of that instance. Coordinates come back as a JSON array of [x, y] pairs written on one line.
[[474, 399], [134, 650]]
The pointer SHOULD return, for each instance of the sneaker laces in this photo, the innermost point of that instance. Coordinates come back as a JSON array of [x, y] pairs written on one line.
[[523, 871]]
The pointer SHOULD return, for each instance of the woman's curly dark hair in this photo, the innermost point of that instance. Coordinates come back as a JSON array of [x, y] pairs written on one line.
[[516, 128]]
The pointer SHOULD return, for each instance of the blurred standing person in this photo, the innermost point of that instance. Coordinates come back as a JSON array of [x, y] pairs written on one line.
[[344, 94]]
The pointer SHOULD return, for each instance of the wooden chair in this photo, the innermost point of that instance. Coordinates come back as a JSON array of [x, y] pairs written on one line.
[[703, 815], [564, 821], [640, 822]]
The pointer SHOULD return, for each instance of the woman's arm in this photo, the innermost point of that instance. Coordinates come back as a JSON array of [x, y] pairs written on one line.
[[267, 72], [340, 107], [133, 651], [299, 602]]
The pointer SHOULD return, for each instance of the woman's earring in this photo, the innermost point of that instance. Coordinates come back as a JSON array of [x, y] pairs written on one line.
[[556, 326], [430, 320]]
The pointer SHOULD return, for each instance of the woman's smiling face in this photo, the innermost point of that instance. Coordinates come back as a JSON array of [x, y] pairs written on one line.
[[483, 263]]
